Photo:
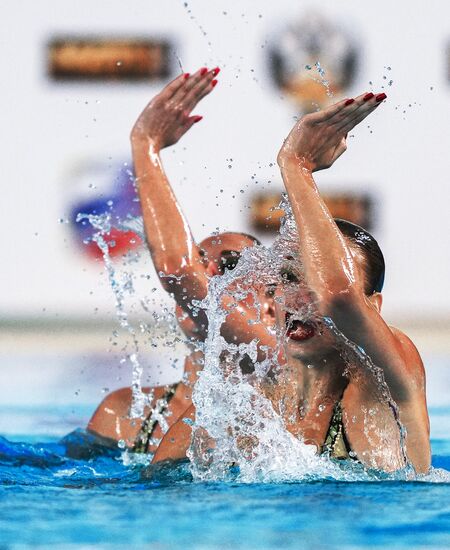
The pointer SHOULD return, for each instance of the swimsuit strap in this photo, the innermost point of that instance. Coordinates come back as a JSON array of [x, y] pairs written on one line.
[[149, 425]]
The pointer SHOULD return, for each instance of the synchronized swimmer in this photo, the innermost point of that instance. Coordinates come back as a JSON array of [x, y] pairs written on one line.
[[342, 274]]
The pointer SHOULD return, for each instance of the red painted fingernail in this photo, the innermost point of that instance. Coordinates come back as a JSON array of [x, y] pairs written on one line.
[[380, 97], [197, 118], [349, 101], [186, 75], [368, 96], [216, 71], [213, 82], [203, 71]]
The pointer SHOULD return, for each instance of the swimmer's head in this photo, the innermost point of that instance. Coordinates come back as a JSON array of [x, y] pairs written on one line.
[[295, 303], [373, 264], [222, 251]]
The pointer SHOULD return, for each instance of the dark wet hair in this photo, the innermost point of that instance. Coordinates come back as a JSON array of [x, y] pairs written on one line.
[[369, 247]]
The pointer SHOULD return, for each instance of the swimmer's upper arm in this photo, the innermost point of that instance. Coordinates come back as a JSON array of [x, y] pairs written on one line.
[[415, 414], [176, 441], [413, 361], [112, 419], [187, 283]]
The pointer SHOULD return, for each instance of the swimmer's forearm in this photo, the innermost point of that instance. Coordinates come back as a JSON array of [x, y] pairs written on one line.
[[169, 238], [165, 225], [328, 265]]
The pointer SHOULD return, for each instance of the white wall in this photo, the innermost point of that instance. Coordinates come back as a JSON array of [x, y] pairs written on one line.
[[46, 128]]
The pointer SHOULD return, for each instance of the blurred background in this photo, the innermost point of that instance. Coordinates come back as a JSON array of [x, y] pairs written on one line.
[[76, 76]]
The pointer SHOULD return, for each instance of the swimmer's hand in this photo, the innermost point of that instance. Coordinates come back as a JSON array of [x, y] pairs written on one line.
[[168, 115], [318, 139]]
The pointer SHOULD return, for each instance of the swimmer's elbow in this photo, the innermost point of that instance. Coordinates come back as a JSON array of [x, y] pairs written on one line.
[[338, 294], [345, 305], [183, 279]]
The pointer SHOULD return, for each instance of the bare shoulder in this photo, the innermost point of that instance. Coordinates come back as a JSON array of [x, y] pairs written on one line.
[[410, 354], [115, 407], [119, 401]]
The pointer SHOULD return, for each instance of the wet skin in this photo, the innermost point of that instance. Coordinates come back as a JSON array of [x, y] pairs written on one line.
[[185, 267], [316, 376], [332, 273], [335, 275], [112, 421]]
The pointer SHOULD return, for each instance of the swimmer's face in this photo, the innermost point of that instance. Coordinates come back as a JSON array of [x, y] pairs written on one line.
[[222, 252], [294, 304], [295, 310]]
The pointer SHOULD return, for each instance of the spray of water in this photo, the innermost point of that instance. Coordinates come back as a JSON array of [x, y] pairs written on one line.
[[238, 423], [121, 287], [240, 431]]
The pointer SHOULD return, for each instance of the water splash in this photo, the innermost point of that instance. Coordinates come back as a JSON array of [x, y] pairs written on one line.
[[238, 424], [324, 81], [121, 285]]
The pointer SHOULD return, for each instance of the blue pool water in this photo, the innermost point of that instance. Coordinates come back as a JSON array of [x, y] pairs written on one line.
[[48, 499]]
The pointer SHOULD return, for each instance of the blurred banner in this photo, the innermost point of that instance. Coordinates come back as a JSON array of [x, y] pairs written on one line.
[[108, 59], [265, 214]]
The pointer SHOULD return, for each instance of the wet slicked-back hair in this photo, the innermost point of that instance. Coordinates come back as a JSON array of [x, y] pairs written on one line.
[[369, 247]]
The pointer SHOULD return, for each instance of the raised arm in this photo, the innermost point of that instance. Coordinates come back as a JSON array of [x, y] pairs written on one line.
[[163, 122], [177, 258], [315, 142], [332, 270]]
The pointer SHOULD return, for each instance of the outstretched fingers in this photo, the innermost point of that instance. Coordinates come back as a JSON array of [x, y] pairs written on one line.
[[201, 89], [342, 113], [365, 105], [333, 111], [191, 92]]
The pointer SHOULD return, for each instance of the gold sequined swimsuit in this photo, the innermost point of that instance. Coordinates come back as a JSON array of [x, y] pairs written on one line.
[[336, 444]]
